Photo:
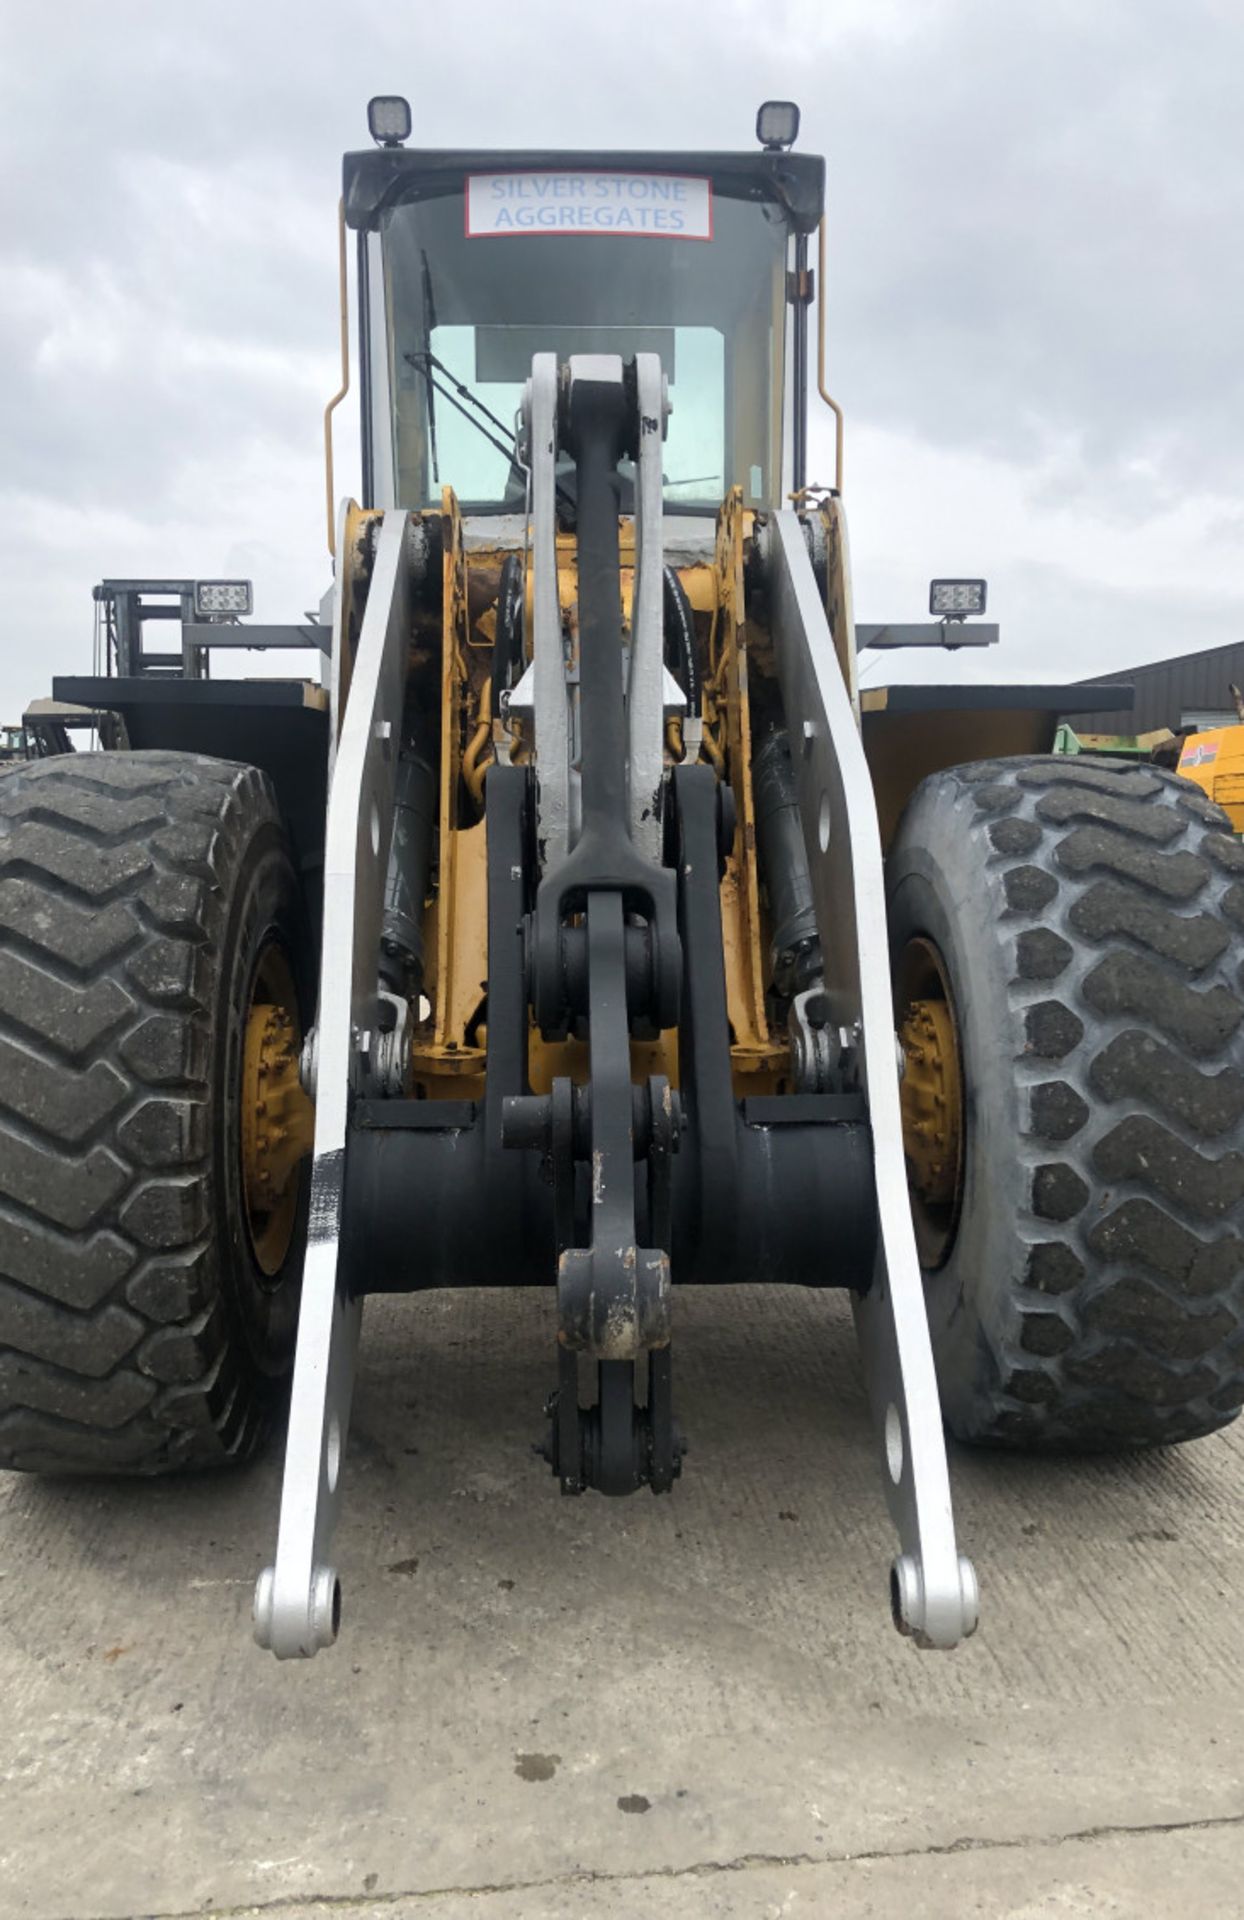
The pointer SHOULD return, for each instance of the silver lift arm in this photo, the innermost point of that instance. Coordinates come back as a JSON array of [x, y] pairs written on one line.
[[645, 694], [298, 1600], [548, 668], [932, 1585]]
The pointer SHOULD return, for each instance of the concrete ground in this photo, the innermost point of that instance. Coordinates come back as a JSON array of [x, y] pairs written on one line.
[[542, 1709]]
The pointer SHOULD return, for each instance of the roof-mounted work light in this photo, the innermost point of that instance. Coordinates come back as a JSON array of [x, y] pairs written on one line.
[[388, 119], [777, 125]]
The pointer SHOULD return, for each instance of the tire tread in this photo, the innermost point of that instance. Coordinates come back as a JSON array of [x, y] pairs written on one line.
[[115, 869], [1111, 894]]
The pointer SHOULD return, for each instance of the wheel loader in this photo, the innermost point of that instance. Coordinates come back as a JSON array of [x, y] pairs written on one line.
[[584, 925]]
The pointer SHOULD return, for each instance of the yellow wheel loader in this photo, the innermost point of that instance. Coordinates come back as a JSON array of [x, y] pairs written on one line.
[[583, 926]]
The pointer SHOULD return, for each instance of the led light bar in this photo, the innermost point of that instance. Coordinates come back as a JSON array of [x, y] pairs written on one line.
[[388, 119], [956, 599], [212, 598]]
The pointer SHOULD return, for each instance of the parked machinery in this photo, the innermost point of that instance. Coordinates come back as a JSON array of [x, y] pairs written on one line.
[[588, 930]]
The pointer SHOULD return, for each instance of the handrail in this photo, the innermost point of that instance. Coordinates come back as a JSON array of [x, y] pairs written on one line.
[[340, 395], [826, 396]]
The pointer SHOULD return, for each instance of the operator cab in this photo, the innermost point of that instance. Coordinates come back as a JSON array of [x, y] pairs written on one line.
[[469, 263]]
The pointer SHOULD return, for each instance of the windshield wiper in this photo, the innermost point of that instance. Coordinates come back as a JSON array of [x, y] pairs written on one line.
[[462, 398], [457, 393]]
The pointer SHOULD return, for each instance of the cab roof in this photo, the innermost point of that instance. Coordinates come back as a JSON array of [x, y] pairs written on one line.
[[383, 177]]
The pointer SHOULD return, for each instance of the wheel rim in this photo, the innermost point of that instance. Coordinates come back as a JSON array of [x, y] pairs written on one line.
[[278, 1119], [933, 1108]]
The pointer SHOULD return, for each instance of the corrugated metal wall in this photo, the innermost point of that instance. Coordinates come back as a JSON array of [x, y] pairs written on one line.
[[1165, 689]]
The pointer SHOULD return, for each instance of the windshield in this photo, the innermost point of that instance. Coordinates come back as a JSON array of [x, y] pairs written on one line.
[[466, 310]]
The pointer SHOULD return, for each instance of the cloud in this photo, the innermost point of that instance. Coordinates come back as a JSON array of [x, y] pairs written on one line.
[[1033, 303], [1037, 235], [1077, 586]]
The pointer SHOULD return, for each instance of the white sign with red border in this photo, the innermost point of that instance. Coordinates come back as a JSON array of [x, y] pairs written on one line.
[[667, 206]]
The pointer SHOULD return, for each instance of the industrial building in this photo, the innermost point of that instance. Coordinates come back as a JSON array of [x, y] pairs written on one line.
[[1190, 691]]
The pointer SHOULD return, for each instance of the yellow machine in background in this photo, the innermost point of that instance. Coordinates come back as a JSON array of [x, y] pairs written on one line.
[[1215, 761]]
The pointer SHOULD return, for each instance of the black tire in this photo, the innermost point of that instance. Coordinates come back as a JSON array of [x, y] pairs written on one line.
[[137, 1332], [1088, 917]]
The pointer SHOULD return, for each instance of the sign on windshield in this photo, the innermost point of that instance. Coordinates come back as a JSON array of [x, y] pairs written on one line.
[[672, 205]]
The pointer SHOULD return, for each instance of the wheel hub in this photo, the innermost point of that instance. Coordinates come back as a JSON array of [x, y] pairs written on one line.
[[931, 1098], [278, 1121], [932, 1121]]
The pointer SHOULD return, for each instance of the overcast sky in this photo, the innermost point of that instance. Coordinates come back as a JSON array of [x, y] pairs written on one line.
[[1036, 299]]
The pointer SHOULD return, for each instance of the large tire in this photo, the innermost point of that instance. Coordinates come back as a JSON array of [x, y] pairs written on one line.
[[1089, 1291], [138, 1334]]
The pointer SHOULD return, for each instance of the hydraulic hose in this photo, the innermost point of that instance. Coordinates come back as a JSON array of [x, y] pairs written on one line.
[[680, 628], [795, 948], [507, 650], [410, 860]]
